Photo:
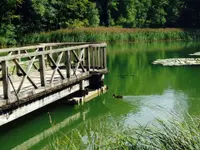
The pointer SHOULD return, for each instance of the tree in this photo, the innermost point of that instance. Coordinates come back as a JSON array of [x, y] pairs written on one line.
[[7, 16], [157, 13], [92, 15], [142, 7], [127, 13]]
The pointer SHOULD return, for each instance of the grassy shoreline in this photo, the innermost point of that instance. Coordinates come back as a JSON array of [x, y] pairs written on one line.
[[173, 134], [111, 34]]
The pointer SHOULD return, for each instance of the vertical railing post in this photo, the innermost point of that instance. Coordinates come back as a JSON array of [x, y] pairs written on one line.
[[104, 58], [68, 64], [42, 68], [88, 58], [18, 72], [84, 57], [93, 58], [50, 64], [6, 85], [98, 57]]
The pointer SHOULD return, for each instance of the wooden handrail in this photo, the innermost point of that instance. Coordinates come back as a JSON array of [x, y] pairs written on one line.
[[18, 56], [67, 43], [7, 58], [20, 48], [42, 45]]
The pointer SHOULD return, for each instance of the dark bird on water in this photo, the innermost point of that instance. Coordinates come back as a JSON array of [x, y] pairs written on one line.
[[117, 96]]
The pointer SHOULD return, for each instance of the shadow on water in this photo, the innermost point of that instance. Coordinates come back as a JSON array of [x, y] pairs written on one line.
[[148, 91], [36, 128]]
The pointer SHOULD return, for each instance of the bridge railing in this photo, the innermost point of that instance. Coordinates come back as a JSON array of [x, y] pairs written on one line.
[[36, 48], [52, 64], [46, 46]]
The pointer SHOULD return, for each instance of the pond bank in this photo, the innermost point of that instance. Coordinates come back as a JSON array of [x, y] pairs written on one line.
[[112, 34]]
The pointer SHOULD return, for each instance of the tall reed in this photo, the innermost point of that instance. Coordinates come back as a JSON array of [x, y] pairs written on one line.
[[166, 135], [111, 34]]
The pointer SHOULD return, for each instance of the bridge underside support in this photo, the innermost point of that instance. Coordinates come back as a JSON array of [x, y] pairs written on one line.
[[96, 81]]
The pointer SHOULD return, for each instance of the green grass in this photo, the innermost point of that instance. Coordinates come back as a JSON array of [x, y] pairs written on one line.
[[104, 34], [111, 34], [166, 135]]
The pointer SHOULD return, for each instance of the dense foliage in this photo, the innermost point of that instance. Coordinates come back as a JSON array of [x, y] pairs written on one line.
[[19, 17]]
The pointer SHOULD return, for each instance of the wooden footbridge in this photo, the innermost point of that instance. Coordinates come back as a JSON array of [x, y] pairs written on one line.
[[35, 76]]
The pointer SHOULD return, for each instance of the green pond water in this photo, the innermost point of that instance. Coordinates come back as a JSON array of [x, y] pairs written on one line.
[[149, 92]]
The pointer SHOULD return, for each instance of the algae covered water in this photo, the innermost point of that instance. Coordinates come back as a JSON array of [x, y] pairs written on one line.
[[149, 92]]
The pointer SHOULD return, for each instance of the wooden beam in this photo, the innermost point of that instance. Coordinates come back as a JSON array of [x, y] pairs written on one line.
[[79, 59], [42, 45], [98, 45], [19, 60], [24, 73], [27, 74], [57, 67], [20, 48], [67, 44], [42, 70], [88, 58], [93, 58], [68, 63], [6, 85], [50, 64], [32, 57], [104, 58], [42, 53], [98, 57]]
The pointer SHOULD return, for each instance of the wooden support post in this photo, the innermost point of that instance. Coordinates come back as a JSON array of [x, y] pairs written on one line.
[[68, 64], [18, 72], [97, 58], [82, 85], [93, 58], [84, 57], [104, 58], [42, 68], [6, 86], [88, 58], [50, 64], [100, 57]]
